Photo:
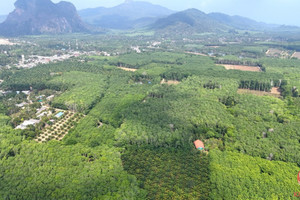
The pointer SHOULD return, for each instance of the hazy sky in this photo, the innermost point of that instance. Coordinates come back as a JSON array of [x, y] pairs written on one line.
[[270, 11]]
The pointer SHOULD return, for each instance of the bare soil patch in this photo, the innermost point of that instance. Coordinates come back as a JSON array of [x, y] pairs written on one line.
[[169, 82], [275, 92], [127, 69], [241, 67], [194, 53], [215, 47]]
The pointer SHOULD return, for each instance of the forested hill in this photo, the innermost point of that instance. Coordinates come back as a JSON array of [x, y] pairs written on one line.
[[193, 21], [189, 21], [124, 16]]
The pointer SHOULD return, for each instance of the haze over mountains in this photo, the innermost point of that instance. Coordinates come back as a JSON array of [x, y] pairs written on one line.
[[44, 17], [124, 16]]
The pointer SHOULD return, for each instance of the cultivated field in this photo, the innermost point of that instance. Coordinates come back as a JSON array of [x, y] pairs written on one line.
[[241, 67], [60, 128], [275, 92], [127, 69]]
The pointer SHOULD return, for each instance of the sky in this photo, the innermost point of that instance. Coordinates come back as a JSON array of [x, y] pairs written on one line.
[[270, 11]]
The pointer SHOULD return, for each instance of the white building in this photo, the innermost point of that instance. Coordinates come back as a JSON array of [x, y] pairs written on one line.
[[27, 123]]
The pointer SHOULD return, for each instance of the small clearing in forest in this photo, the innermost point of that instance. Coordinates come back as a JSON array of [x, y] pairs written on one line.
[[127, 69], [194, 53], [241, 67], [275, 92], [169, 82], [277, 53]]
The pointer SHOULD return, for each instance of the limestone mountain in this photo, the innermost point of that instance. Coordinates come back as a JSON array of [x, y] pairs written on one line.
[[32, 17]]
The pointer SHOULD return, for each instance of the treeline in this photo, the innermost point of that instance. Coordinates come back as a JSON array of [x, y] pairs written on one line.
[[288, 90], [258, 85], [176, 74]]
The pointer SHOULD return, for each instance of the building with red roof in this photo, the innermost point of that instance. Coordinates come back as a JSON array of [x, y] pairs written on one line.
[[199, 145]]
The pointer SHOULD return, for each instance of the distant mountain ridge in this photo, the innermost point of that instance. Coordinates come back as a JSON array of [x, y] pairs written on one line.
[[241, 23], [42, 17], [139, 14], [195, 21], [33, 17], [124, 16]]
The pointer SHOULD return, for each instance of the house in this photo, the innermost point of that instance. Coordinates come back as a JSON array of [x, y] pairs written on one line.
[[26, 92], [27, 123], [43, 108], [21, 105], [42, 115], [50, 98], [199, 145]]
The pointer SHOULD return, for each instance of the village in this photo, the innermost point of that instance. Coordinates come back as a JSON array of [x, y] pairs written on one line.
[[35, 60]]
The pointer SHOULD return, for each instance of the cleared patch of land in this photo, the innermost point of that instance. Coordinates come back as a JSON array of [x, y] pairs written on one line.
[[127, 69], [274, 52], [5, 42], [296, 55], [277, 53], [195, 53], [213, 47], [169, 82], [241, 67], [275, 92]]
